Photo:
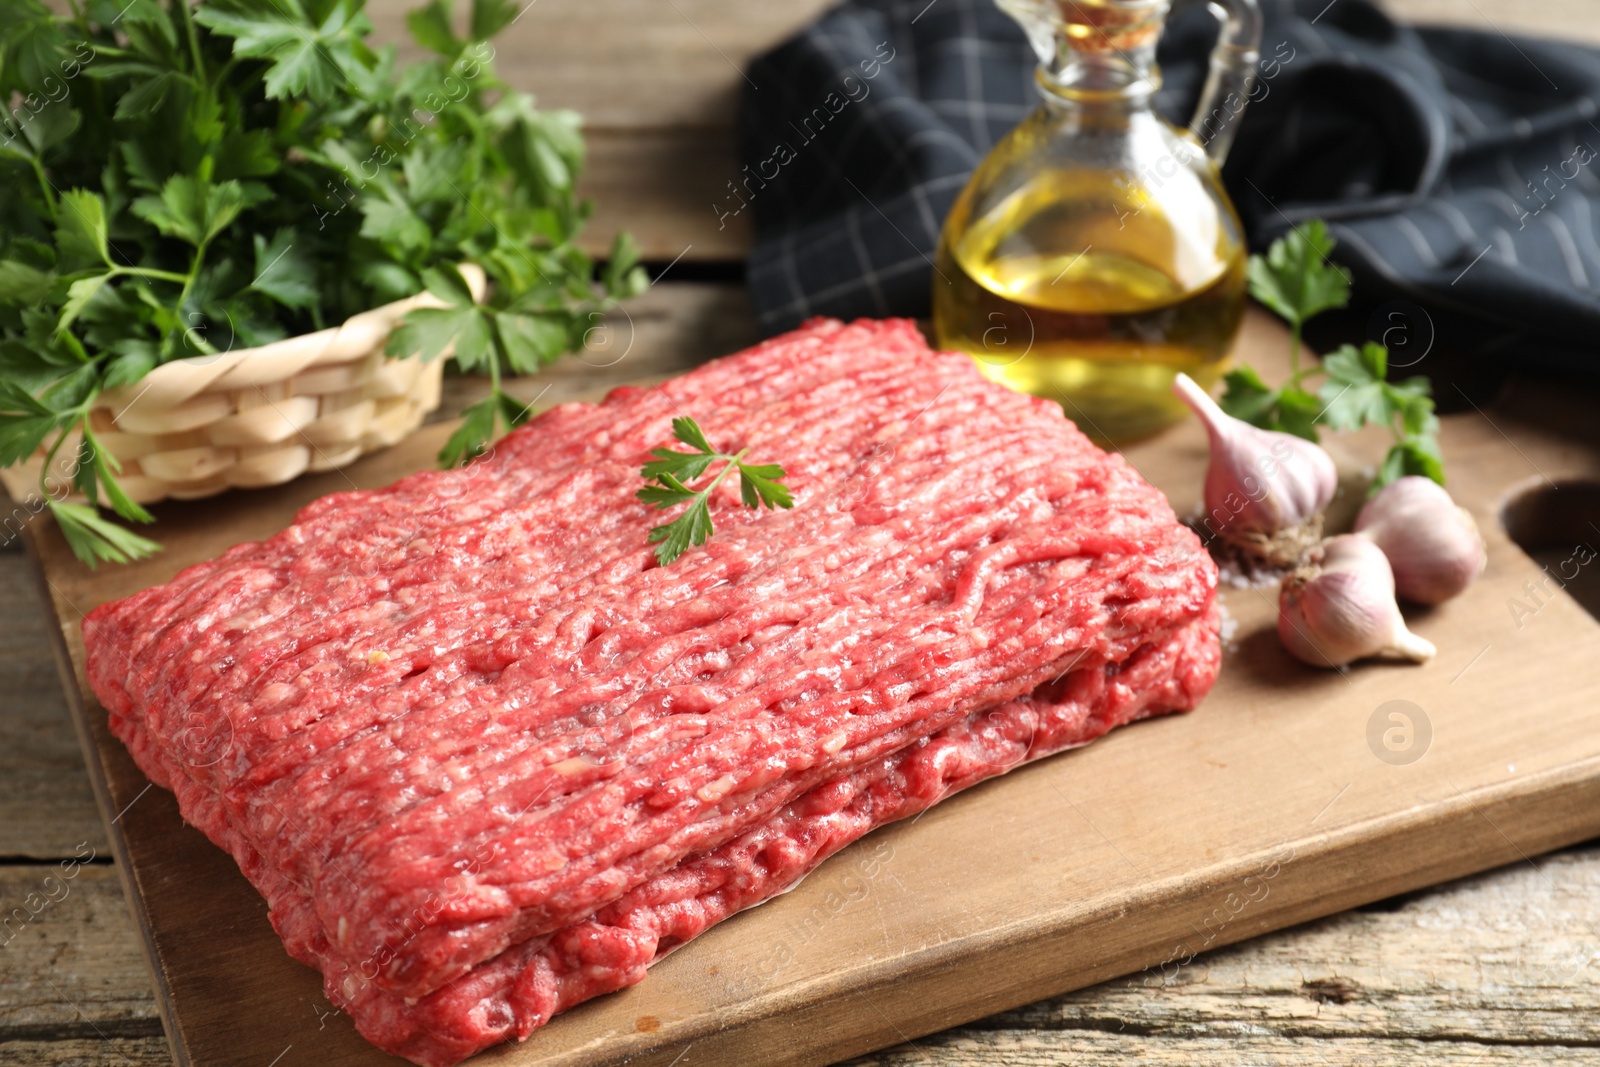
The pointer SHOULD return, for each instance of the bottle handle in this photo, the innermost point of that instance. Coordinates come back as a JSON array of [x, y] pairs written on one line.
[[1232, 76]]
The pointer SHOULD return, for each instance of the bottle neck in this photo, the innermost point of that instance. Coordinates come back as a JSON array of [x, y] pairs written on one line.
[[1125, 78]]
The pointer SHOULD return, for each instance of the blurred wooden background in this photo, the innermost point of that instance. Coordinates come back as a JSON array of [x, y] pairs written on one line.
[[1498, 969]]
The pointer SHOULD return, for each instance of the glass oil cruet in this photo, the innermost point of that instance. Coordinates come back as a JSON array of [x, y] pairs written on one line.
[[1094, 254]]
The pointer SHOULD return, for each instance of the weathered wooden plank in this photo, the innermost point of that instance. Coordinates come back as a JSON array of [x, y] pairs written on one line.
[[72, 960], [1565, 20], [46, 806], [92, 1051], [631, 64], [1509, 956], [1092, 1049], [660, 186]]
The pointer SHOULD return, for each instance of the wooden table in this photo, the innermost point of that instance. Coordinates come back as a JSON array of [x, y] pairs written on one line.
[[1493, 969]]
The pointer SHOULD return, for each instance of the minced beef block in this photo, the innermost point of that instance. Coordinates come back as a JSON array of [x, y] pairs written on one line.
[[485, 759]]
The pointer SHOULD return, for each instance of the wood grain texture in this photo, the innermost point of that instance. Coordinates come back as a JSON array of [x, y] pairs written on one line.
[[46, 808], [1565, 20], [664, 187], [68, 951], [87, 1052], [1269, 807], [1113, 1050]]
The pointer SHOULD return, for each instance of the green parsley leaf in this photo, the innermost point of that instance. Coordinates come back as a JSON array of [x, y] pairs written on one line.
[[1296, 281], [79, 293], [759, 485], [470, 438], [282, 273], [1295, 278], [1297, 413], [21, 435], [1411, 456], [688, 431], [93, 538], [50, 127], [31, 46], [396, 225], [447, 283], [430, 27], [31, 367], [308, 56], [672, 470], [1247, 397], [1416, 414], [489, 17], [24, 423], [427, 332], [1287, 410], [148, 95], [192, 209], [530, 341], [21, 285], [246, 154], [138, 358], [623, 275], [513, 411], [669, 466], [15, 398], [81, 229], [84, 477], [71, 393], [693, 527], [1355, 393], [434, 175], [668, 493]]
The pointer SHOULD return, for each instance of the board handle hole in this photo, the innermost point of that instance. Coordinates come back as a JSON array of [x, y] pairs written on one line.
[[1558, 525]]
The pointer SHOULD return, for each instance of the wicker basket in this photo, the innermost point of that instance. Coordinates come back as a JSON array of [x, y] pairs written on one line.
[[259, 416]]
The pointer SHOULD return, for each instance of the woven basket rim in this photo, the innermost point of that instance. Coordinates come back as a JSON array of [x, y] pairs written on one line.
[[193, 374]]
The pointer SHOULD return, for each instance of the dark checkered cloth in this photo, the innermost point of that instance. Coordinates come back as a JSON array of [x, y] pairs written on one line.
[[1455, 167]]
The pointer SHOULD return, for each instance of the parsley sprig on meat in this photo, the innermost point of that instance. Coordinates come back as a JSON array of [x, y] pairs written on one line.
[[183, 179], [671, 471]]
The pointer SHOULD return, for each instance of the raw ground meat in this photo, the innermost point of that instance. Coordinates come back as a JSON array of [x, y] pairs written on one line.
[[485, 759]]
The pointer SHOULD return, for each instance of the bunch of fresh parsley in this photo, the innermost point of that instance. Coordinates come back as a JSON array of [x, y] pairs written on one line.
[[1296, 281], [181, 179], [671, 471]]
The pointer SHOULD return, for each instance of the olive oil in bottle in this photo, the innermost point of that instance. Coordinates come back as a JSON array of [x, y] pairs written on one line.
[[1078, 287], [1094, 254]]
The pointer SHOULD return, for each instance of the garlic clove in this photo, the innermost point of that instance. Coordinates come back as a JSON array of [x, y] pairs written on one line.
[[1433, 546], [1340, 607], [1264, 491]]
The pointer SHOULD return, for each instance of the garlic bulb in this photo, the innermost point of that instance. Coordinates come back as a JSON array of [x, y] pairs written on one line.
[[1433, 546], [1265, 491], [1339, 606]]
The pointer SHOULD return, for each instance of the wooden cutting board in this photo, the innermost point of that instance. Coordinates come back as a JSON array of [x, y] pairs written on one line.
[[1291, 794]]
